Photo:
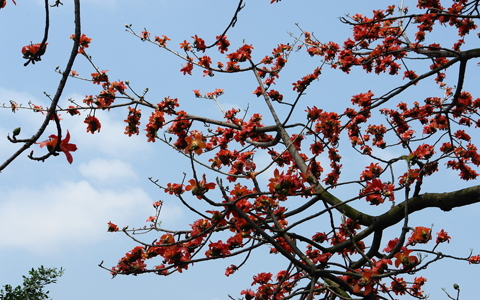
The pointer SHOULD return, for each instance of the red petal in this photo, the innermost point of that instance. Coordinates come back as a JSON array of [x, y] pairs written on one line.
[[69, 157], [71, 147], [67, 138]]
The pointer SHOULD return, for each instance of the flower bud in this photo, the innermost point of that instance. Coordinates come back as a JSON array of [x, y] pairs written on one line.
[[16, 131]]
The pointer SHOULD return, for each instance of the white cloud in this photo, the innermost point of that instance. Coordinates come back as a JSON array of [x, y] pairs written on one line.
[[170, 215], [19, 97], [107, 170], [68, 212]]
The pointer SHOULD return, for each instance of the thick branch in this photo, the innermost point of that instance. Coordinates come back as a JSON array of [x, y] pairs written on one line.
[[445, 201]]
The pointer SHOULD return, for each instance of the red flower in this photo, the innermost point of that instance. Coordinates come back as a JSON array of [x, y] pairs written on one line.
[[423, 151], [187, 69], [195, 143], [133, 121], [112, 227], [162, 42], [262, 278], [199, 43], [197, 93], [151, 219], [72, 110], [376, 191], [174, 188], [442, 237], [420, 235], [93, 124], [371, 171], [230, 270], [399, 286], [218, 249], [65, 147], [84, 42], [100, 77], [284, 184], [316, 256], [145, 35], [119, 86], [185, 45], [319, 237], [199, 188], [249, 294], [410, 75], [474, 259], [33, 50], [242, 54], [364, 283], [391, 245], [217, 92], [403, 257], [222, 43]]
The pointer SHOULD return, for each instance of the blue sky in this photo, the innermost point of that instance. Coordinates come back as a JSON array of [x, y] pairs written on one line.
[[55, 214]]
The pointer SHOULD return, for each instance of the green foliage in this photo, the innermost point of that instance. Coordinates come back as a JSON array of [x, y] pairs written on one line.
[[33, 285]]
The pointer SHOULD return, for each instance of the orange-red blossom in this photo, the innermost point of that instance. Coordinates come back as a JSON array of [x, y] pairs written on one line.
[[112, 227], [404, 258], [33, 49], [199, 188], [195, 143], [65, 146], [84, 42]]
